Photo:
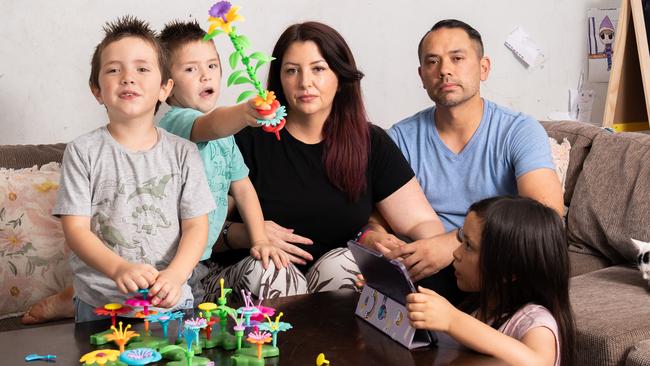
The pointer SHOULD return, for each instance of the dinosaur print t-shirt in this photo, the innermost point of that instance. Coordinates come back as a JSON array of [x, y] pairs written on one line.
[[135, 201]]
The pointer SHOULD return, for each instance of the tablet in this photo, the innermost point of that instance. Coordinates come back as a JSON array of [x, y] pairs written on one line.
[[389, 277]]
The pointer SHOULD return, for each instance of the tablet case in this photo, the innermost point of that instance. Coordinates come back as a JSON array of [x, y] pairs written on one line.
[[383, 298]]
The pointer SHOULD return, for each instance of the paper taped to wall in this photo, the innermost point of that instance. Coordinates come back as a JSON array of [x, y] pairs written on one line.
[[520, 43]]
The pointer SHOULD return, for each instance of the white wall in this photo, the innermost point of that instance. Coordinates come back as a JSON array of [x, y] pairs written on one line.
[[45, 50]]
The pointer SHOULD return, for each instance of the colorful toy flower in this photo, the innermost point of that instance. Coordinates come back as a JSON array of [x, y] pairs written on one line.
[[163, 318], [265, 103], [249, 309], [100, 357], [112, 310], [259, 338], [140, 356], [196, 323], [264, 313], [220, 9], [122, 336], [276, 327], [222, 15]]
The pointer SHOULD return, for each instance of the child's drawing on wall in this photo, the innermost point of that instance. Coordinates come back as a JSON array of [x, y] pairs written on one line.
[[602, 28]]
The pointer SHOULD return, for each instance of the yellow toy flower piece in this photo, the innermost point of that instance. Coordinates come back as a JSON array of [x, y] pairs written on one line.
[[225, 25], [121, 337], [113, 306], [100, 357], [207, 306], [259, 102]]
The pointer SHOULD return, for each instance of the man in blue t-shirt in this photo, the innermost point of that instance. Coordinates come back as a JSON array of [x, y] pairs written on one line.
[[466, 148]]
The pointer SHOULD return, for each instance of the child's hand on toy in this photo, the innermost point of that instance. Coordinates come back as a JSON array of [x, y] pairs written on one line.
[[266, 250], [129, 277], [166, 291], [428, 310], [251, 113]]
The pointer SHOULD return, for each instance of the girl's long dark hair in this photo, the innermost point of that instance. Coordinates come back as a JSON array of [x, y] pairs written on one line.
[[524, 259], [346, 133]]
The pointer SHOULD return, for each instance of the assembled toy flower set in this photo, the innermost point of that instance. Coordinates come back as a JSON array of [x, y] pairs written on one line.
[[194, 334], [222, 15]]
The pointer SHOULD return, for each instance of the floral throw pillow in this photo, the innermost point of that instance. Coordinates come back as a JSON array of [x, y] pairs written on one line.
[[33, 254], [560, 154]]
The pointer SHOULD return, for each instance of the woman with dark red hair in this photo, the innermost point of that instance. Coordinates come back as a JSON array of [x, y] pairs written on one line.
[[318, 184]]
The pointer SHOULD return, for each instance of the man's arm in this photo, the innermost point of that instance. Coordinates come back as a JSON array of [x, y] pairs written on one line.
[[544, 186]]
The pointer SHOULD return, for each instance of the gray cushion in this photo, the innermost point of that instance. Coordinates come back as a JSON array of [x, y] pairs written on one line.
[[580, 136], [640, 354], [612, 311], [611, 202], [26, 156]]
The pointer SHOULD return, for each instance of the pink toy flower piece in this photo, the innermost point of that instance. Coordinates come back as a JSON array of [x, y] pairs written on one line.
[[196, 323], [259, 337], [137, 301], [264, 311], [220, 9]]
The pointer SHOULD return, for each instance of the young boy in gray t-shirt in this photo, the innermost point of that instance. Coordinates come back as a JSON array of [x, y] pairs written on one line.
[[133, 198]]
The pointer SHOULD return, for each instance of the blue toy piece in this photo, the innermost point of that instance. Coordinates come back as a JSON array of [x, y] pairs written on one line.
[[140, 356], [35, 357]]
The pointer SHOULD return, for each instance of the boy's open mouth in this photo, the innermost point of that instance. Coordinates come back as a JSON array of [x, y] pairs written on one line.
[[128, 94], [206, 92]]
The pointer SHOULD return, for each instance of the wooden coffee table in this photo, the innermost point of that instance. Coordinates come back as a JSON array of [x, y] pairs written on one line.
[[323, 322]]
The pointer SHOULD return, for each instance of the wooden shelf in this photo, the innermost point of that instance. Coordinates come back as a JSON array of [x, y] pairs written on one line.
[[627, 106]]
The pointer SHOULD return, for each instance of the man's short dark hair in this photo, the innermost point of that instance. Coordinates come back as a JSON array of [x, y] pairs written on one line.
[[128, 26], [473, 34], [177, 34]]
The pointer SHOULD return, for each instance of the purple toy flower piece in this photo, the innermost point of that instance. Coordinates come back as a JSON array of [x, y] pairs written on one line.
[[220, 9]]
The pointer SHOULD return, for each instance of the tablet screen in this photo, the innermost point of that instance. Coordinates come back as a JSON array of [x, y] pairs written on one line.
[[389, 277]]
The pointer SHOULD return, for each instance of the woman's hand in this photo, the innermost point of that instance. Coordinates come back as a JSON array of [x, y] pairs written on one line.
[[285, 240], [428, 310], [379, 241], [264, 251]]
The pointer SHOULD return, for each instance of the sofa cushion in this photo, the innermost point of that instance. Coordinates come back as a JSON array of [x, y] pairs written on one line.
[[611, 201], [582, 263], [580, 136], [33, 259], [612, 314], [26, 156], [639, 355]]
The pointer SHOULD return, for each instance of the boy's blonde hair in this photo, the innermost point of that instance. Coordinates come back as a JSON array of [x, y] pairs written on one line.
[[128, 26]]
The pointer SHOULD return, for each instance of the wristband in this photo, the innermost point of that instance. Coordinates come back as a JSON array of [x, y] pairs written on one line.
[[362, 233]]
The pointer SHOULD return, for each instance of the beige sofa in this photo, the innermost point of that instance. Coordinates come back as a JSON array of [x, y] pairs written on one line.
[[608, 199]]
